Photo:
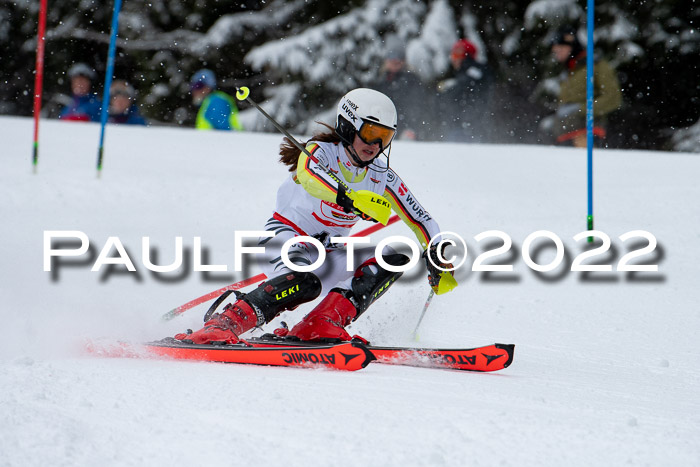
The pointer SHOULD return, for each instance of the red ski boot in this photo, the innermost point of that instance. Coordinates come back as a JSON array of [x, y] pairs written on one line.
[[327, 320], [225, 327], [256, 308]]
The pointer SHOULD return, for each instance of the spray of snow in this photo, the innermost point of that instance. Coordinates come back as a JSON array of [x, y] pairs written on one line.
[[606, 364]]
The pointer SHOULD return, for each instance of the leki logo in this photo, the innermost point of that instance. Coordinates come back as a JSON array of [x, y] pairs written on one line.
[[380, 201], [286, 293]]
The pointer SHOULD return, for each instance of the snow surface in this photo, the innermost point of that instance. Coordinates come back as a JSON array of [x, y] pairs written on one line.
[[606, 370]]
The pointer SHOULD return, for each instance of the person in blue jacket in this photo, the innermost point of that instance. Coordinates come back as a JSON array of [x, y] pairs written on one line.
[[217, 110], [85, 106], [122, 107]]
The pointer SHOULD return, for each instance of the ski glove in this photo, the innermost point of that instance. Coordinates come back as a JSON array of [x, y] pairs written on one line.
[[346, 203], [440, 281]]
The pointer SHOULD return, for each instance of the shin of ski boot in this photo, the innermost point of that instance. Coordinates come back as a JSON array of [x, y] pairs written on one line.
[[327, 320], [224, 327]]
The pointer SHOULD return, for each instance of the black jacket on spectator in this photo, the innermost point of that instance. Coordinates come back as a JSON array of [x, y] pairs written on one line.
[[462, 113]]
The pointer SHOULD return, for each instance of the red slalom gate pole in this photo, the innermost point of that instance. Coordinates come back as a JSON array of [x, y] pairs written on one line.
[[255, 279], [39, 80]]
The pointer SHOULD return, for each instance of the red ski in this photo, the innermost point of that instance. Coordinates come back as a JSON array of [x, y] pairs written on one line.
[[276, 351], [487, 358], [349, 356]]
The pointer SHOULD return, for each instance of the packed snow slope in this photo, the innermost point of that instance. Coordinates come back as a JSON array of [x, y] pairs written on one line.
[[606, 369]]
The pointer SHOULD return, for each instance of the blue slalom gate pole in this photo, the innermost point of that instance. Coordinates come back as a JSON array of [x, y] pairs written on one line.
[[589, 110], [108, 82]]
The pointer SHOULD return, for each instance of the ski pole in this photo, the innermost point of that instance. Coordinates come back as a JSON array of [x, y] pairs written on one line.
[[243, 93], [255, 279], [425, 308]]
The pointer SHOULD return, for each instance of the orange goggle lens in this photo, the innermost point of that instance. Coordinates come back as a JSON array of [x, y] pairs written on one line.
[[372, 133]]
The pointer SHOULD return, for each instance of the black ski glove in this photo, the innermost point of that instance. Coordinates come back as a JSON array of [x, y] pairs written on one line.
[[434, 274], [344, 202]]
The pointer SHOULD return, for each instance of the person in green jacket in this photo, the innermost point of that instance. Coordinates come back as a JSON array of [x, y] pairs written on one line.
[[567, 126], [217, 110]]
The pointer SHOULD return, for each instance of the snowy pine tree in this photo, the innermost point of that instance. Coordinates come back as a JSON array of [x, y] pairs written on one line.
[[299, 56]]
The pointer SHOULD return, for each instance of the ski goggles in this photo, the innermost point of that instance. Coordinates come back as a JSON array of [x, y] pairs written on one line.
[[371, 133]]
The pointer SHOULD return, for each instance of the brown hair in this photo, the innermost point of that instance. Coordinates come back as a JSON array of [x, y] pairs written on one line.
[[289, 153]]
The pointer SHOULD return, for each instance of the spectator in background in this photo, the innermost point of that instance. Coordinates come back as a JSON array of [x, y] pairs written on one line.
[[84, 106], [122, 106], [567, 126], [406, 90], [463, 100], [217, 110]]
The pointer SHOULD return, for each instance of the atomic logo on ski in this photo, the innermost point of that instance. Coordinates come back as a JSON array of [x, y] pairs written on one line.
[[348, 357], [304, 357], [491, 358]]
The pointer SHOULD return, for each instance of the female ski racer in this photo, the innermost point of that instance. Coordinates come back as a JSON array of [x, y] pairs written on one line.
[[311, 202]]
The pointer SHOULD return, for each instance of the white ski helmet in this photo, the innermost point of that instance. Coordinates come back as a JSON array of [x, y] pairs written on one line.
[[81, 69], [369, 114]]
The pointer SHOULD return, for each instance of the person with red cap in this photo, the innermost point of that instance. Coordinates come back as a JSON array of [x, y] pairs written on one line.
[[463, 100], [460, 50]]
